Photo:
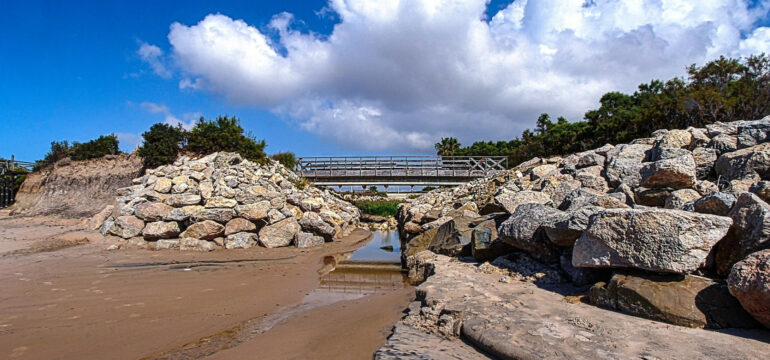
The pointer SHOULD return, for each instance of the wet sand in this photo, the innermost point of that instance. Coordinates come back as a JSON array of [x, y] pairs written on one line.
[[84, 302]]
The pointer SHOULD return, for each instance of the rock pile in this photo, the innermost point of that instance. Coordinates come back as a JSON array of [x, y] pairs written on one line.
[[222, 200], [665, 217]]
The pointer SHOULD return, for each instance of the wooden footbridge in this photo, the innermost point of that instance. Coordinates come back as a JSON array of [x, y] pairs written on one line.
[[10, 171], [397, 171]]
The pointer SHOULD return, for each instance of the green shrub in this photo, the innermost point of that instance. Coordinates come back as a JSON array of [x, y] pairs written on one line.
[[287, 159], [224, 134], [59, 150], [379, 208], [162, 144], [104, 145]]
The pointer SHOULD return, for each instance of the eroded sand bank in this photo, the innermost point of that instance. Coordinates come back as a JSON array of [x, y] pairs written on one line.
[[84, 302]]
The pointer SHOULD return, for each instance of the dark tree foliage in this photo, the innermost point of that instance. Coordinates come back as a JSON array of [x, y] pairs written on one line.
[[287, 159], [104, 145], [59, 150], [162, 144], [447, 146], [722, 90], [224, 134]]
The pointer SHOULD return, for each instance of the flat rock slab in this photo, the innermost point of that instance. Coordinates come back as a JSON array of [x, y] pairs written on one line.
[[519, 320], [410, 343]]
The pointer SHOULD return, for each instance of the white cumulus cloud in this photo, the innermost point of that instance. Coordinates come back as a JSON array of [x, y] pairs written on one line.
[[153, 56], [400, 74], [187, 120]]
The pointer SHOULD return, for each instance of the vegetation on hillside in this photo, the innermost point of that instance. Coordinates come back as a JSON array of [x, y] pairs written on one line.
[[163, 142], [378, 207], [724, 90], [287, 159], [101, 146]]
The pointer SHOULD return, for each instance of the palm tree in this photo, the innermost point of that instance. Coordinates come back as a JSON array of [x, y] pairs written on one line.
[[447, 146]]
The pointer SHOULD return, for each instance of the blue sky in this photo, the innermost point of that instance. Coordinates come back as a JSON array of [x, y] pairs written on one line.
[[359, 77]]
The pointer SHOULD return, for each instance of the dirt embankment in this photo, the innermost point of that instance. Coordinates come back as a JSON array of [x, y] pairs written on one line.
[[76, 189]]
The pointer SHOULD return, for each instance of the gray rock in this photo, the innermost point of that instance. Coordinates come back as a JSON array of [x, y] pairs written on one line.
[[307, 240], [179, 200], [254, 212], [161, 230], [312, 222], [509, 200], [590, 158], [674, 173], [663, 153], [452, 237], [485, 244], [750, 232], [580, 276], [204, 230], [677, 199], [649, 239], [220, 202], [718, 203], [521, 231], [624, 163], [127, 227], [218, 215], [163, 185], [705, 158], [241, 240], [149, 211], [675, 139], [279, 234], [724, 143], [182, 213], [744, 162], [565, 230], [749, 282]]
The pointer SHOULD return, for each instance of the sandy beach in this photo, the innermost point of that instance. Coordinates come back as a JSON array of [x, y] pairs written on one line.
[[65, 296]]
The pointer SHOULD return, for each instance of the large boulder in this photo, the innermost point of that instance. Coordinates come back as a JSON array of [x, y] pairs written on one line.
[[239, 225], [452, 237], [204, 230], [150, 211], [126, 226], [761, 189], [182, 213], [624, 163], [717, 203], [254, 211], [749, 281], [681, 300], [650, 239], [522, 231], [219, 215], [307, 240], [745, 162], [179, 200], [241, 240], [509, 200], [705, 158], [677, 173], [279, 234], [566, 229], [161, 230], [485, 244], [750, 232], [312, 222]]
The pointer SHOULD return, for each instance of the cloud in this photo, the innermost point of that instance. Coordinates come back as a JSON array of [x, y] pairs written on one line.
[[128, 141], [187, 119], [400, 74], [153, 56]]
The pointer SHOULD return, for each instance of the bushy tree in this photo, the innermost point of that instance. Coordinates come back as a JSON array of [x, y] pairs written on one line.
[[447, 146], [722, 90], [162, 144], [224, 134], [59, 150], [103, 145], [287, 159]]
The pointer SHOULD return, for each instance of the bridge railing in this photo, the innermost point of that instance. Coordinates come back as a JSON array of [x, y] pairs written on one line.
[[9, 171], [399, 166]]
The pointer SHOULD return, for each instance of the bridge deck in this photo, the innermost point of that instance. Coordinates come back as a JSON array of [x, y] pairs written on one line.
[[397, 170]]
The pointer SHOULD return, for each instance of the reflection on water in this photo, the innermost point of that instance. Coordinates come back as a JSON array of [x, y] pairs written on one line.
[[373, 268]]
